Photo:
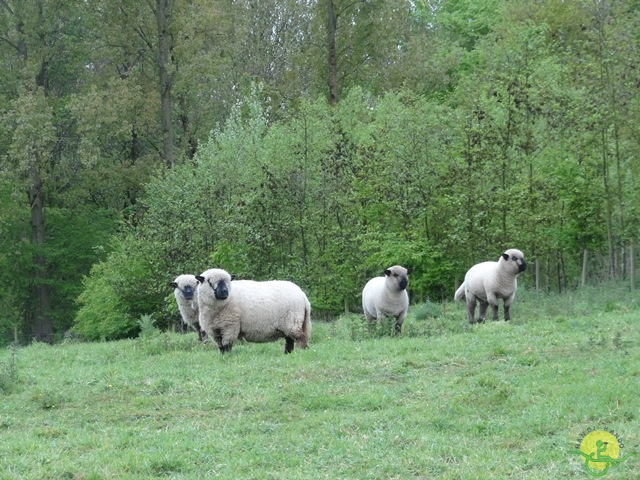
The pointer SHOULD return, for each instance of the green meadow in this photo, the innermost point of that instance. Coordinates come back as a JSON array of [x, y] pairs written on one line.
[[442, 400]]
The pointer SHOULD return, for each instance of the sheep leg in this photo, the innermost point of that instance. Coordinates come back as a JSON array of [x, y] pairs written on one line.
[[483, 311], [217, 337], [507, 315], [202, 335], [371, 320], [495, 312], [288, 345], [471, 309], [229, 334], [399, 321]]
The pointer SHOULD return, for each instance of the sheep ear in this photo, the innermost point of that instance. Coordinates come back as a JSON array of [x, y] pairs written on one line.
[[233, 277], [409, 271], [505, 256], [174, 284], [200, 278], [387, 272]]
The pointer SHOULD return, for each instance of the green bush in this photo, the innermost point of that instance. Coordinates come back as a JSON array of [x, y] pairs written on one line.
[[102, 314]]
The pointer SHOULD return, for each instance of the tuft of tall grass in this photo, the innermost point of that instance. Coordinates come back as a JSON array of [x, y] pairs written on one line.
[[587, 300], [9, 372], [154, 341]]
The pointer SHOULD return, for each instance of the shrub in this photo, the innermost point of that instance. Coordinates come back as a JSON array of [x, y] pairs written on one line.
[[102, 314]]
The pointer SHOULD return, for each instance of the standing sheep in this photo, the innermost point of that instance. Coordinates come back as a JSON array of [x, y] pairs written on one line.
[[488, 282], [253, 311], [387, 296], [186, 294]]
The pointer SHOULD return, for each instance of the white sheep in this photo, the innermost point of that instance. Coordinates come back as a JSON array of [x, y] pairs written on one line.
[[253, 311], [387, 296], [186, 293], [488, 282]]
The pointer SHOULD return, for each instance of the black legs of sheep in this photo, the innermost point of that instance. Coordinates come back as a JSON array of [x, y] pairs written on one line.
[[484, 306], [202, 335], [288, 344], [217, 337], [507, 316]]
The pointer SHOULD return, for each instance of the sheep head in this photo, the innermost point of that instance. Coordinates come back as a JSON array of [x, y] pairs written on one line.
[[186, 284], [397, 277], [219, 280], [513, 261]]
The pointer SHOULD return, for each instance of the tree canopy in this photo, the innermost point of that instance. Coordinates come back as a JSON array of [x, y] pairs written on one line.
[[317, 141]]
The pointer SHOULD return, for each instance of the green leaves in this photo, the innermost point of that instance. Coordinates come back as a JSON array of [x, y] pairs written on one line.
[[460, 128]]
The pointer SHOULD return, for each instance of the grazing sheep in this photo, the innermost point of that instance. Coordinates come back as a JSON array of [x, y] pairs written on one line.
[[387, 296], [187, 297], [488, 282], [253, 311]]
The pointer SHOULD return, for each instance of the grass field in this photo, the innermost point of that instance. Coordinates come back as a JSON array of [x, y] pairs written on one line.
[[443, 400]]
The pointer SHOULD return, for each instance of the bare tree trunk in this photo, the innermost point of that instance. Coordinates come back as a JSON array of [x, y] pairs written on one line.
[[537, 276], [43, 327], [165, 44], [621, 200], [332, 26], [632, 270], [584, 267], [609, 209]]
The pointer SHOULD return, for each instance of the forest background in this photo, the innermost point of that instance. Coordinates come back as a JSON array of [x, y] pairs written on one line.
[[313, 140]]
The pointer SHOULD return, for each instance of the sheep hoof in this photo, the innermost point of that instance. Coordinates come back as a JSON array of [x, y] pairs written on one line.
[[225, 348]]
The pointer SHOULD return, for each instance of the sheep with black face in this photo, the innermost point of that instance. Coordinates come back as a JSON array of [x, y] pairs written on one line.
[[387, 296], [253, 311], [490, 282], [186, 293]]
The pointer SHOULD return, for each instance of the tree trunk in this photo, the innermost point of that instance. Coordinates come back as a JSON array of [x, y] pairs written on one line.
[[609, 208], [584, 267], [632, 271], [42, 323], [165, 44], [332, 25], [621, 199], [43, 327]]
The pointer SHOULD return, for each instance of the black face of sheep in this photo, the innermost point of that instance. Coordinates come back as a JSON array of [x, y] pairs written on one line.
[[402, 280], [220, 289], [187, 291], [521, 264]]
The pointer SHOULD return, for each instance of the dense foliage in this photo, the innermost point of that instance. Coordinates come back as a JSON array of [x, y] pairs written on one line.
[[144, 140]]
